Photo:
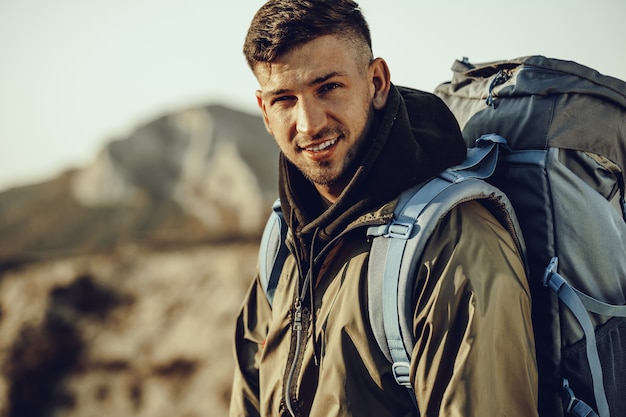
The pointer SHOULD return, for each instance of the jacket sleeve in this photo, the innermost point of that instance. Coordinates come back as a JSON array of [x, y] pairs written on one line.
[[250, 333], [474, 354]]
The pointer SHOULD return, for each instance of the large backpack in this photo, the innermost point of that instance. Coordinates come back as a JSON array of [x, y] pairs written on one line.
[[561, 166], [566, 126]]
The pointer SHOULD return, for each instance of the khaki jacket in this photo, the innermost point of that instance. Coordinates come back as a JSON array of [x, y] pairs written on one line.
[[474, 351]]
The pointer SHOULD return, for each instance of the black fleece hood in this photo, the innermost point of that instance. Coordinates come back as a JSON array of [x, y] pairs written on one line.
[[414, 138]]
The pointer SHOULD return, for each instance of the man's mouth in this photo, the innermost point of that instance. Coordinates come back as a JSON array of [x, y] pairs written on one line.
[[322, 146]]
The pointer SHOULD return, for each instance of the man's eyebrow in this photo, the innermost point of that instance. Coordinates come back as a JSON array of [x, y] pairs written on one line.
[[314, 82], [324, 78]]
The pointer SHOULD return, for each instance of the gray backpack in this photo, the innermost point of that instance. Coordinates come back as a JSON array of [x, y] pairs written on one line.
[[561, 167], [566, 127]]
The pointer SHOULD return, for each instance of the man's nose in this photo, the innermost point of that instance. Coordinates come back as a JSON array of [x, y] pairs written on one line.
[[311, 117]]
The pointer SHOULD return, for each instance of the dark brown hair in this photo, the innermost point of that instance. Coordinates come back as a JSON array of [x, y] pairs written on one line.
[[281, 25]]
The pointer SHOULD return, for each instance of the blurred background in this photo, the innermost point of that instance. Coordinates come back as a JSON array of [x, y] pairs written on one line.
[[136, 176]]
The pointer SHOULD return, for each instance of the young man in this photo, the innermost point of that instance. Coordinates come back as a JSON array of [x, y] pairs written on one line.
[[350, 143]]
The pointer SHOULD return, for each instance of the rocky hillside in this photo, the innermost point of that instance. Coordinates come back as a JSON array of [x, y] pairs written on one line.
[[120, 280], [202, 174], [127, 333]]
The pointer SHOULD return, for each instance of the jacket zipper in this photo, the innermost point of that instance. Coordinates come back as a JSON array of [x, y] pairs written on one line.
[[300, 327], [290, 387]]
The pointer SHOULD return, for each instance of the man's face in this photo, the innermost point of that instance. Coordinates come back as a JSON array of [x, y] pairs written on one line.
[[317, 102]]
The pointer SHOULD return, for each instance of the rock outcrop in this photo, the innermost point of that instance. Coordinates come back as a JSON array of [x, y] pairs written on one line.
[[199, 175]]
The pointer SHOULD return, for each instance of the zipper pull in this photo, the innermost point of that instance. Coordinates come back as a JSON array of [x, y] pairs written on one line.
[[501, 77], [297, 315]]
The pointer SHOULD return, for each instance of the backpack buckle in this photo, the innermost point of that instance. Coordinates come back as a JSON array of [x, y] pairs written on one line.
[[550, 277], [400, 372], [400, 230]]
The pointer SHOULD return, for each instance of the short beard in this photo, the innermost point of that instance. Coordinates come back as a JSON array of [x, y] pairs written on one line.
[[351, 163]]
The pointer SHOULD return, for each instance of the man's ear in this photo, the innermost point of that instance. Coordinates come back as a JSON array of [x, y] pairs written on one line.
[[261, 104], [381, 80]]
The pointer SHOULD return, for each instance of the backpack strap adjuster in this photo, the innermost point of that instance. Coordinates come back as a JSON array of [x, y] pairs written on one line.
[[400, 230], [400, 372]]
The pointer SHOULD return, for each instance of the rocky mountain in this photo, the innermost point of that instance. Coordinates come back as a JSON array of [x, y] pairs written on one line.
[[120, 280], [201, 174]]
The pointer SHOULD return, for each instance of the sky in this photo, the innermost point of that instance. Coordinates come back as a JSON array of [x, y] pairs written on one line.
[[75, 74]]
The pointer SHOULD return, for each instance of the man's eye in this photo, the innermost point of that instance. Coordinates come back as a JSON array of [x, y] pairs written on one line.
[[329, 87], [282, 99]]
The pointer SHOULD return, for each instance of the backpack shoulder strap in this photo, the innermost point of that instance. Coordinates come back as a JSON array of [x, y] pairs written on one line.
[[397, 248], [272, 251]]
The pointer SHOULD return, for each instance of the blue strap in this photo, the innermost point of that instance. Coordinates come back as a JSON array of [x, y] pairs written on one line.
[[272, 251], [570, 298], [596, 306], [399, 231]]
